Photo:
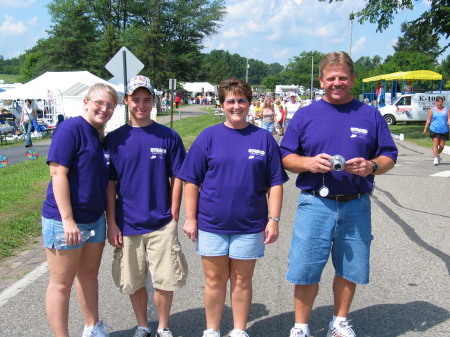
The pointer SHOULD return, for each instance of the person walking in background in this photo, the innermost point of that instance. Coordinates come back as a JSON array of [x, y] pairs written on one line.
[[291, 108], [438, 120], [76, 200], [280, 114], [144, 197], [268, 116], [333, 213], [26, 121], [237, 210]]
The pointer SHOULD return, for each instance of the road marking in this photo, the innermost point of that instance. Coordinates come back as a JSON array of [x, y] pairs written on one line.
[[444, 174], [20, 285]]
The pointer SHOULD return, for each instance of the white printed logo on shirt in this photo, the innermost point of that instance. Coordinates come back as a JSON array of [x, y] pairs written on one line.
[[358, 132], [254, 153], [157, 152]]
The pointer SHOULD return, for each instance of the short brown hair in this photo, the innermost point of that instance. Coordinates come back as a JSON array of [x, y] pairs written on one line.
[[234, 85], [336, 58]]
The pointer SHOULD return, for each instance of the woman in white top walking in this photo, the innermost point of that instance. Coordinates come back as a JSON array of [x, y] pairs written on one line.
[[28, 113]]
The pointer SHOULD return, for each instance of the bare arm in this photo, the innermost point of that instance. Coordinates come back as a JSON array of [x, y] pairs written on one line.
[[114, 234], [363, 167], [191, 193], [61, 190], [427, 123], [177, 190], [275, 194], [299, 164]]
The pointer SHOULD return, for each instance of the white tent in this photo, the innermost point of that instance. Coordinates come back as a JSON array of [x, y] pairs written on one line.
[[61, 92], [197, 87]]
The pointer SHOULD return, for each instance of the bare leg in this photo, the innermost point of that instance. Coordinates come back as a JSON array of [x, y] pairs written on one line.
[[62, 265], [241, 274], [435, 147], [216, 272], [441, 145], [163, 303], [304, 296], [344, 291], [87, 281], [139, 301]]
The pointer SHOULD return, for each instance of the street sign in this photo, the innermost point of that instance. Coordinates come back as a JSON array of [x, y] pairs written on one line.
[[172, 84], [116, 65]]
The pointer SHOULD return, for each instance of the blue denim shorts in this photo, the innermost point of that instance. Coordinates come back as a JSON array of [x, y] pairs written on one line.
[[52, 228], [323, 226], [236, 246], [268, 126]]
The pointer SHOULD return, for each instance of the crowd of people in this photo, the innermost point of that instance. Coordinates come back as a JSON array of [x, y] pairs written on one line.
[[127, 188]]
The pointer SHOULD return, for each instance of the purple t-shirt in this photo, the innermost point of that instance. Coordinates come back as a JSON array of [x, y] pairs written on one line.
[[234, 169], [352, 130], [75, 145], [142, 162]]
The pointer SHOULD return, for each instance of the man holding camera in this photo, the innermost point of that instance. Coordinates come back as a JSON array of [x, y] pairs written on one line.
[[336, 146]]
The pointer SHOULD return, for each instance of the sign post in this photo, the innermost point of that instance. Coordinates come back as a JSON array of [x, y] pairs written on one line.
[[172, 88], [124, 65]]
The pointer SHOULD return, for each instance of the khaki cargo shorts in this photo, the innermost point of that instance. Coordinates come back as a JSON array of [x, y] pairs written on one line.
[[160, 251]]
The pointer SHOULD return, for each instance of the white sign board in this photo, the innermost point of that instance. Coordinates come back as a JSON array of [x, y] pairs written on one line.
[[115, 65]]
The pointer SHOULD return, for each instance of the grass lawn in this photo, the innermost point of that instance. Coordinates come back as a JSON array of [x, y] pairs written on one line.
[[413, 133], [9, 78]]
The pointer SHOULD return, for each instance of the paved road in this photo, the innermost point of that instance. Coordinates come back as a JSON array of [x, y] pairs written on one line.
[[408, 294]]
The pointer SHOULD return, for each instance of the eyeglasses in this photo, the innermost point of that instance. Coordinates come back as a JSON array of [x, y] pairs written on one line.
[[101, 104], [233, 101]]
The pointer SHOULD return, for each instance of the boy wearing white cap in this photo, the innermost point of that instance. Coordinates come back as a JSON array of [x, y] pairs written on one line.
[[144, 197]]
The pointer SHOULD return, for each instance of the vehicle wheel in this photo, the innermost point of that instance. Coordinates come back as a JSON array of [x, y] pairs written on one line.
[[390, 120]]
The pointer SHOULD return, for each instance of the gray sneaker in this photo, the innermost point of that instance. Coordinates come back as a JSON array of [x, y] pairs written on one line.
[[297, 332], [142, 333], [98, 330], [164, 333], [343, 330]]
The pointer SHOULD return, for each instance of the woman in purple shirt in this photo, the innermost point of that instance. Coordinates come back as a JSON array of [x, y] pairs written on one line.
[[75, 202], [230, 170]]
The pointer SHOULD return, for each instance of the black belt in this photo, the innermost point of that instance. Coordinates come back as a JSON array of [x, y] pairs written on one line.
[[339, 197]]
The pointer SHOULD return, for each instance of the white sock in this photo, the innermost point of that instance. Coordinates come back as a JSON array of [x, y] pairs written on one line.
[[144, 328], [304, 327], [336, 320]]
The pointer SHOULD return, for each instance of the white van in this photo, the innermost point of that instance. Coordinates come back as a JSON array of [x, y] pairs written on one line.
[[411, 107]]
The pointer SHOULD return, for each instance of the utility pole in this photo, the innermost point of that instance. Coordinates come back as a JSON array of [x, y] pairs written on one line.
[[312, 74], [246, 72], [352, 16]]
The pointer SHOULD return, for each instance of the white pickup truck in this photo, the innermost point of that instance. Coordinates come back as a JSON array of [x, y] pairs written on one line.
[[411, 107]]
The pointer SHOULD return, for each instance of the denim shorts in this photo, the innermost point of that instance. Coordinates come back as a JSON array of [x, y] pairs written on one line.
[[236, 246], [268, 126], [53, 228], [323, 226]]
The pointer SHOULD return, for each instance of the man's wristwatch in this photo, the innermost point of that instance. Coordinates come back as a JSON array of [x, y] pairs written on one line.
[[274, 219], [374, 167]]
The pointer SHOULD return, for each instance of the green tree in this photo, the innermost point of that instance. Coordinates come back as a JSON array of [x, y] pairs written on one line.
[[415, 41], [298, 71]]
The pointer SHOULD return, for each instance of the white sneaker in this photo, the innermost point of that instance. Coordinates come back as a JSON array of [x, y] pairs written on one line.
[[164, 333], [297, 332], [97, 330], [211, 333], [343, 330], [238, 333], [436, 161]]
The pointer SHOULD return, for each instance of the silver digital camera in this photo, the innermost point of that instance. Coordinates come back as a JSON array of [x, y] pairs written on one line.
[[338, 162]]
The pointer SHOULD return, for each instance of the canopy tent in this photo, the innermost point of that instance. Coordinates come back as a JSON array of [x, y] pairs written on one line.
[[197, 87], [60, 92], [416, 75]]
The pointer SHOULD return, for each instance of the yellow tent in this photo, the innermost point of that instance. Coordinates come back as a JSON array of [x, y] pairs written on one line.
[[416, 75]]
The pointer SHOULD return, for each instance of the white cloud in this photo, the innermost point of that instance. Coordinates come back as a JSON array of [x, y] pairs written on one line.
[[359, 46], [33, 22], [10, 27], [16, 3]]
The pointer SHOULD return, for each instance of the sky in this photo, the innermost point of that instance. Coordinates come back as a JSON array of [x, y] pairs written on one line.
[[266, 30]]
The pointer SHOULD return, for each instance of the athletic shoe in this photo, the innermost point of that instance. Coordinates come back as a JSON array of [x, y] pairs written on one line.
[[343, 330], [436, 161], [238, 333], [439, 158], [297, 332], [97, 330], [164, 333], [142, 333], [211, 333]]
